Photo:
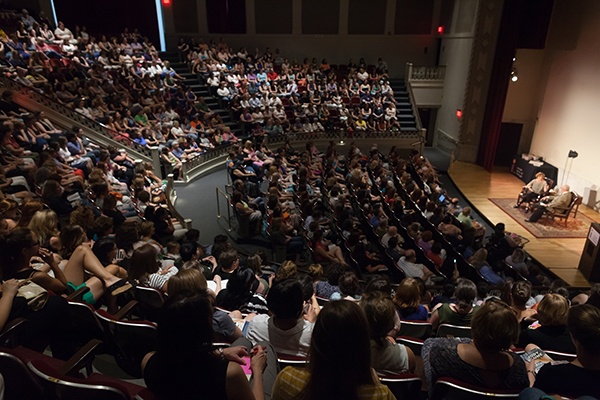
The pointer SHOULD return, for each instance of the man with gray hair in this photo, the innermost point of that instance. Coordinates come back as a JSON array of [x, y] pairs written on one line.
[[551, 203], [408, 264]]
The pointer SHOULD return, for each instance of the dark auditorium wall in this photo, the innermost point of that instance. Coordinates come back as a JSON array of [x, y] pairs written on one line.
[[110, 16], [265, 24], [334, 29]]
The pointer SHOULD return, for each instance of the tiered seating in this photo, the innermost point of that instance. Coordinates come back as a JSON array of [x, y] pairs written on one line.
[[340, 94]]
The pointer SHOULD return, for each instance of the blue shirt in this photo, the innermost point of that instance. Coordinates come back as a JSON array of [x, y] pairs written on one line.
[[178, 153]]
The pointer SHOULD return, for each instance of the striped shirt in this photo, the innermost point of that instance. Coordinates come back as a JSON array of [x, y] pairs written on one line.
[[157, 280], [291, 381]]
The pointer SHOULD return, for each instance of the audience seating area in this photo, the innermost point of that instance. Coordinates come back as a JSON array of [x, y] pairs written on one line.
[[95, 230]]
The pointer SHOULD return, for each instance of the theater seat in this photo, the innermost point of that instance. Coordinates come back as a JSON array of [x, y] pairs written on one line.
[[447, 330], [19, 382], [453, 389], [287, 360], [403, 386], [415, 329]]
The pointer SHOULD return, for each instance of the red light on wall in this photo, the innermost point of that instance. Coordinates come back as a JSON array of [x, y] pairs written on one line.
[[440, 30], [166, 2], [459, 114]]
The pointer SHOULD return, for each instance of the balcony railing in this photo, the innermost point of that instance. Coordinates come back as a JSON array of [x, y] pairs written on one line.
[[436, 73]]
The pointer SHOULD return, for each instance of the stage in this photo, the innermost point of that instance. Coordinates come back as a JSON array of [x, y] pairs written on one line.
[[560, 255]]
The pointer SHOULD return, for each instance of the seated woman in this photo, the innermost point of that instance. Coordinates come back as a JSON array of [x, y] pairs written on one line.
[[241, 295], [279, 236], [460, 312], [517, 261], [483, 361], [45, 225], [146, 269], [184, 362], [532, 190], [328, 375], [519, 295], [387, 356], [243, 208], [366, 260], [579, 377], [479, 262], [224, 328], [325, 289], [52, 323], [78, 258], [349, 287], [550, 332], [326, 252], [408, 301]]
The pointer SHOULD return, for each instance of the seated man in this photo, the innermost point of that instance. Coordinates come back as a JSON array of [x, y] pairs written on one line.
[[408, 265], [550, 203], [469, 224], [286, 329], [392, 232]]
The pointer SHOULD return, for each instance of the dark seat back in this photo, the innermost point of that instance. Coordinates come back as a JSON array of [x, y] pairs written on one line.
[[453, 389], [19, 382], [416, 329], [447, 330], [403, 386], [150, 302], [132, 341]]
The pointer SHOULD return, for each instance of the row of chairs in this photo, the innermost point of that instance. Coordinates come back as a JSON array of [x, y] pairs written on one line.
[[31, 375]]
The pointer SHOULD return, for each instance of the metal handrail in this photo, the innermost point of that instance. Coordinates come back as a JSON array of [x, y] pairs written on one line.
[[411, 97], [220, 192]]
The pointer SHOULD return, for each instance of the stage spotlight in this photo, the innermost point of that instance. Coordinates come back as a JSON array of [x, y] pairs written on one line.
[[514, 75], [573, 154]]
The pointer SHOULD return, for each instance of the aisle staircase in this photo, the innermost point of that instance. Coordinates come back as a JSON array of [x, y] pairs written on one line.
[[201, 90], [403, 107]]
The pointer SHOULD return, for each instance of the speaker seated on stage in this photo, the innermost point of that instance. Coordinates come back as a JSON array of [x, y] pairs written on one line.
[[549, 203], [533, 190]]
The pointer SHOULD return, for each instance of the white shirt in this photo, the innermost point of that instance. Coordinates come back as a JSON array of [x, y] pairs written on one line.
[[295, 341], [411, 270], [63, 34]]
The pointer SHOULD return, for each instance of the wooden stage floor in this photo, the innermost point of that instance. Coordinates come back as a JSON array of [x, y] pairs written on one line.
[[561, 256]]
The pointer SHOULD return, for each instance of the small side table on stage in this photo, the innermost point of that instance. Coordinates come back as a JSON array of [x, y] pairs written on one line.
[[526, 171]]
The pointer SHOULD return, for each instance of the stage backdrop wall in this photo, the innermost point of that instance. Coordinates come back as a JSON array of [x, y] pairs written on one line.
[[569, 117]]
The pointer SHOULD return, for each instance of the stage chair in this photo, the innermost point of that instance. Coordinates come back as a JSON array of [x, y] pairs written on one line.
[[564, 212], [447, 330], [453, 389]]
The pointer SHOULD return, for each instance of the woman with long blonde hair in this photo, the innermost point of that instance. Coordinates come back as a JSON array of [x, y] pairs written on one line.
[[45, 225]]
